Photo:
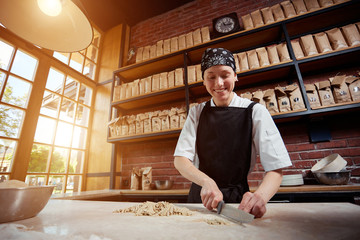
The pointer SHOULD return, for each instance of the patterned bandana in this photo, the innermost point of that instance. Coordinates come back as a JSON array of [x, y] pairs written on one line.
[[217, 56]]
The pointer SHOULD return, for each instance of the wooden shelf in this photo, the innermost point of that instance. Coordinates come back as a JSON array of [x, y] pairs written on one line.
[[174, 133]]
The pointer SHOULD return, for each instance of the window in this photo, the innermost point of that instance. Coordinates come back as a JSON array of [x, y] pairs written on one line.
[[17, 72], [84, 61], [59, 148]]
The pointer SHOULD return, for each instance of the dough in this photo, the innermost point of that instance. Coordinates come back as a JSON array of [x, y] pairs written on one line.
[[156, 209]]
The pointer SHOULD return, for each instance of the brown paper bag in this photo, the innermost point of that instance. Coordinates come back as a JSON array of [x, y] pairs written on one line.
[[237, 65], [258, 96], [171, 79], [189, 40], [167, 46], [243, 61], [191, 73], [160, 48], [308, 45], [182, 41], [147, 123], [299, 6], [118, 127], [148, 84], [295, 43], [128, 90], [135, 88], [146, 178], [198, 72], [179, 77], [142, 86], [340, 89], [163, 81], [182, 116], [294, 94], [277, 12], [174, 118], [139, 54], [263, 56], [197, 36], [174, 44], [325, 94], [253, 59], [273, 54], [247, 22], [146, 53], [165, 120], [205, 34], [124, 126], [288, 8], [336, 38], [270, 101], [139, 123], [257, 18], [153, 51], [155, 85], [322, 42], [325, 3], [267, 15], [131, 123], [123, 91], [117, 93], [111, 126], [283, 100], [155, 122], [247, 95], [354, 87], [283, 52], [312, 5], [312, 95], [351, 34], [135, 179]]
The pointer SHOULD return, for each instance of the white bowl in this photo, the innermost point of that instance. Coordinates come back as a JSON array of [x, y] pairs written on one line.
[[331, 163]]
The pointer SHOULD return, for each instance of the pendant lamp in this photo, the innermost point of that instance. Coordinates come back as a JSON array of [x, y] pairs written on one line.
[[58, 25]]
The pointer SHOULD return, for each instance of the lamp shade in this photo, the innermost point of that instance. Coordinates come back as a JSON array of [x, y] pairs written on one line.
[[69, 31]]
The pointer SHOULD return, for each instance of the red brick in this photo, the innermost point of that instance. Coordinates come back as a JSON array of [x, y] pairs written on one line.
[[332, 144], [300, 147], [303, 164], [314, 154], [348, 152], [256, 176], [354, 142]]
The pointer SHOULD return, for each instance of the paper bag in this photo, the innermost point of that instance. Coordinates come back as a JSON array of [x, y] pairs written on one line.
[[294, 94], [336, 39], [167, 46], [139, 54], [163, 81], [308, 45], [288, 8], [263, 56], [257, 18], [174, 44], [312, 95], [322, 42], [299, 6], [247, 22], [295, 43], [267, 15], [325, 94], [340, 89], [182, 41], [283, 52], [273, 54], [146, 178], [277, 12], [258, 96], [354, 87], [283, 100], [135, 179], [160, 48], [270, 101]]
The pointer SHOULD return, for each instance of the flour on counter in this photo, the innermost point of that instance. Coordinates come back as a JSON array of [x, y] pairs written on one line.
[[156, 209]]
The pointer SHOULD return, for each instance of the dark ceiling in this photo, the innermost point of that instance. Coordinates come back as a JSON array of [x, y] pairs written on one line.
[[109, 13]]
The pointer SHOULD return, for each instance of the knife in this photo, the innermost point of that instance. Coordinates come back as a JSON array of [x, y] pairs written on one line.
[[234, 213]]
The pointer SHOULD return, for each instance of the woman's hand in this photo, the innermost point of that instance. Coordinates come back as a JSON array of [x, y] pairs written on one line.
[[210, 194], [253, 203]]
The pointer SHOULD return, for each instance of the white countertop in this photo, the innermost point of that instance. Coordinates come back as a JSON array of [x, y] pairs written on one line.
[[68, 219]]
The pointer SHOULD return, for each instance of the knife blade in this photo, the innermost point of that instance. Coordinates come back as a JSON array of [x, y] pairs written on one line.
[[234, 213]]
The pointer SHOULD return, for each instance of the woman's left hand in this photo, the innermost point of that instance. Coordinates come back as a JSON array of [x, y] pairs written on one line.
[[253, 203]]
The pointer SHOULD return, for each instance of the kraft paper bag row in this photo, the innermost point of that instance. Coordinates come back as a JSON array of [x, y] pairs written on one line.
[[148, 122], [323, 42], [283, 10], [141, 178], [261, 57], [177, 43], [194, 73], [156, 82]]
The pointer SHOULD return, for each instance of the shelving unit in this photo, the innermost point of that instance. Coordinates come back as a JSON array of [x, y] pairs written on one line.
[[283, 31]]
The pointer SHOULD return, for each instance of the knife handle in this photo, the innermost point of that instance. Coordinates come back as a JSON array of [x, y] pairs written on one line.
[[219, 206]]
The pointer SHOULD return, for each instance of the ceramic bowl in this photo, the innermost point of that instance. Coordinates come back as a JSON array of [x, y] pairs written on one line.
[[23, 202], [333, 178], [331, 163], [163, 184]]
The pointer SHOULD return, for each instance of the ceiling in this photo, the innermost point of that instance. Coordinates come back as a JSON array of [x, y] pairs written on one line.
[[109, 13]]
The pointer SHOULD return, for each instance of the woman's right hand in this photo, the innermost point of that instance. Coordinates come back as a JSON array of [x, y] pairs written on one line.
[[210, 194]]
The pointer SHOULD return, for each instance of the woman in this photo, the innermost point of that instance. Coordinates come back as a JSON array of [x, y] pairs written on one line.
[[220, 139]]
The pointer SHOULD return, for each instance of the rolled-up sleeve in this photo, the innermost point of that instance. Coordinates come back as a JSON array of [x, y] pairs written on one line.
[[268, 141]]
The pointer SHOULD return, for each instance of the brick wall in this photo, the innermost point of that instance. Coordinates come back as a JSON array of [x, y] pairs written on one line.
[[344, 129]]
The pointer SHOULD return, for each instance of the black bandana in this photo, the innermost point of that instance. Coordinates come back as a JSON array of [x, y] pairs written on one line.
[[217, 56]]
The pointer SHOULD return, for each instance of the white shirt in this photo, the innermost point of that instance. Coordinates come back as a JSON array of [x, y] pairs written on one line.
[[267, 141]]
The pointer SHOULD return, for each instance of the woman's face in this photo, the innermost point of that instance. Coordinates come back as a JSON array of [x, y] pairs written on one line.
[[220, 81]]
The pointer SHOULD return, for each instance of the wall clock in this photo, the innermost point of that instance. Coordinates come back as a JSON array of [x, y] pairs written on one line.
[[225, 25]]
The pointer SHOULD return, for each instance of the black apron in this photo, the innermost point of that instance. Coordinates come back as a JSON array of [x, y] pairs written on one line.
[[223, 141]]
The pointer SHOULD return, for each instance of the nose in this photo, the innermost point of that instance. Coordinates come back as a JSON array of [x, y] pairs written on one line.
[[219, 82]]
